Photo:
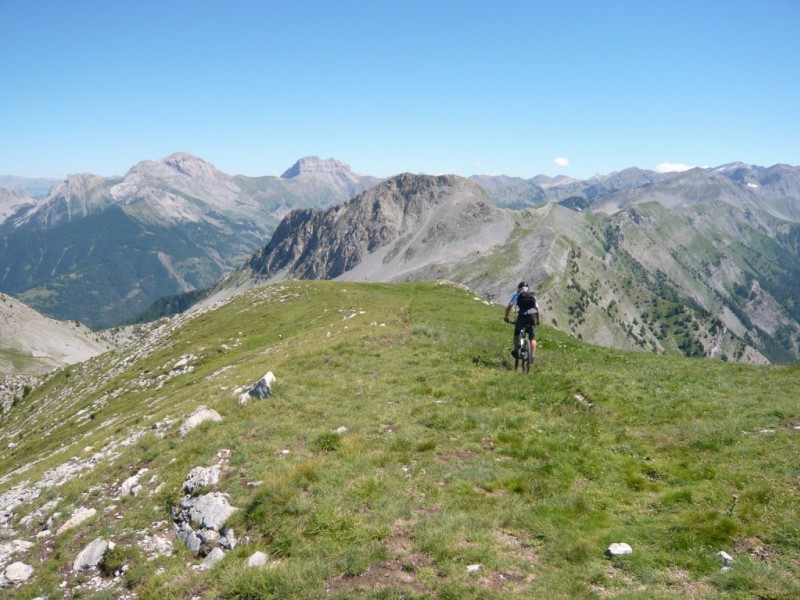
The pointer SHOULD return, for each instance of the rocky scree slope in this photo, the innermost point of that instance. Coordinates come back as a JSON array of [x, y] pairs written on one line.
[[33, 344]]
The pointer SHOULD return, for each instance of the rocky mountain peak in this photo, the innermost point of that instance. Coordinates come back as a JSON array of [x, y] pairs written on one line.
[[76, 184], [189, 165], [406, 223], [314, 165]]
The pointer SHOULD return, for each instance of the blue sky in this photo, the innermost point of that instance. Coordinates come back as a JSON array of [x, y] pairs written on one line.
[[467, 87]]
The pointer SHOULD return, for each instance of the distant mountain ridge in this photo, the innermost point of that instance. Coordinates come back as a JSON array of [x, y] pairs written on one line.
[[165, 227], [696, 263], [36, 187], [703, 262]]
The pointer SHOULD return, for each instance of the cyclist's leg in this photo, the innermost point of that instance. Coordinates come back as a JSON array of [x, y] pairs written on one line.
[[529, 329], [533, 342], [518, 325]]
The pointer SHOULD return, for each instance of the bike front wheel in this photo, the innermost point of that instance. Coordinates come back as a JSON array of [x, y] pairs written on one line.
[[526, 358]]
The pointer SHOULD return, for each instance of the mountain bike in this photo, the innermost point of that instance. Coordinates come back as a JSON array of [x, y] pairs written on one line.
[[524, 352]]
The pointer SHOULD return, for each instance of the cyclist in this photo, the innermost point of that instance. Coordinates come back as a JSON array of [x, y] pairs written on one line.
[[527, 316]]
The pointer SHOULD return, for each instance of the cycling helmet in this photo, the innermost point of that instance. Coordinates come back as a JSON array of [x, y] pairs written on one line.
[[522, 284]]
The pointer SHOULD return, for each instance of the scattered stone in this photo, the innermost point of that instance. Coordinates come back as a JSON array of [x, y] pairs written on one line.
[[618, 550], [131, 487], [209, 510], [15, 574], [190, 539], [228, 539], [8, 549], [727, 559], [262, 389], [474, 568], [77, 518], [341, 430], [213, 558], [258, 559], [208, 536], [201, 415], [201, 477], [155, 545], [92, 555]]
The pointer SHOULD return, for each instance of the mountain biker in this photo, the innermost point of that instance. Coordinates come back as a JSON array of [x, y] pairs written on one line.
[[527, 316]]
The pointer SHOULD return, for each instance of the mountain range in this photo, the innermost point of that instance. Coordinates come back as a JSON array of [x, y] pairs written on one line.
[[101, 250], [701, 263]]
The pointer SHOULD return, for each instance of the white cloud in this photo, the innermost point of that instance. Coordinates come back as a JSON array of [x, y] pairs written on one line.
[[561, 161], [672, 167]]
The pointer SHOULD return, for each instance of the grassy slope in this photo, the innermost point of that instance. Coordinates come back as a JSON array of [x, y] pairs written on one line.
[[449, 458]]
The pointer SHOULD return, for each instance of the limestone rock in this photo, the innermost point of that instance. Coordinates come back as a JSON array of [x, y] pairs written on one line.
[[15, 574], [209, 510], [131, 487], [77, 518], [201, 477], [727, 559], [213, 558], [201, 415], [156, 545], [92, 555], [190, 539], [262, 389], [7, 549], [618, 549], [258, 559]]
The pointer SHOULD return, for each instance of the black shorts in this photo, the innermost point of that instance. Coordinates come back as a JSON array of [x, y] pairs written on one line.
[[527, 323]]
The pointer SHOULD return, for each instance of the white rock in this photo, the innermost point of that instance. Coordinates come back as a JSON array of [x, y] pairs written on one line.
[[726, 558], [341, 430], [92, 555], [213, 558], [201, 477], [210, 510], [17, 572], [618, 549], [474, 568], [201, 415], [131, 487], [77, 518], [258, 559], [14, 546], [156, 545]]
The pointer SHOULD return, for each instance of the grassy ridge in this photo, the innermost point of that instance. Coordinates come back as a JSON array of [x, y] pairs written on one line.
[[450, 460]]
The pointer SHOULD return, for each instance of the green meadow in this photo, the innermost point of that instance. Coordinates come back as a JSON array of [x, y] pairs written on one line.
[[401, 457]]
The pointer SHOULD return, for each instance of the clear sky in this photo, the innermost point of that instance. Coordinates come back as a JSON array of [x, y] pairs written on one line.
[[426, 86]]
